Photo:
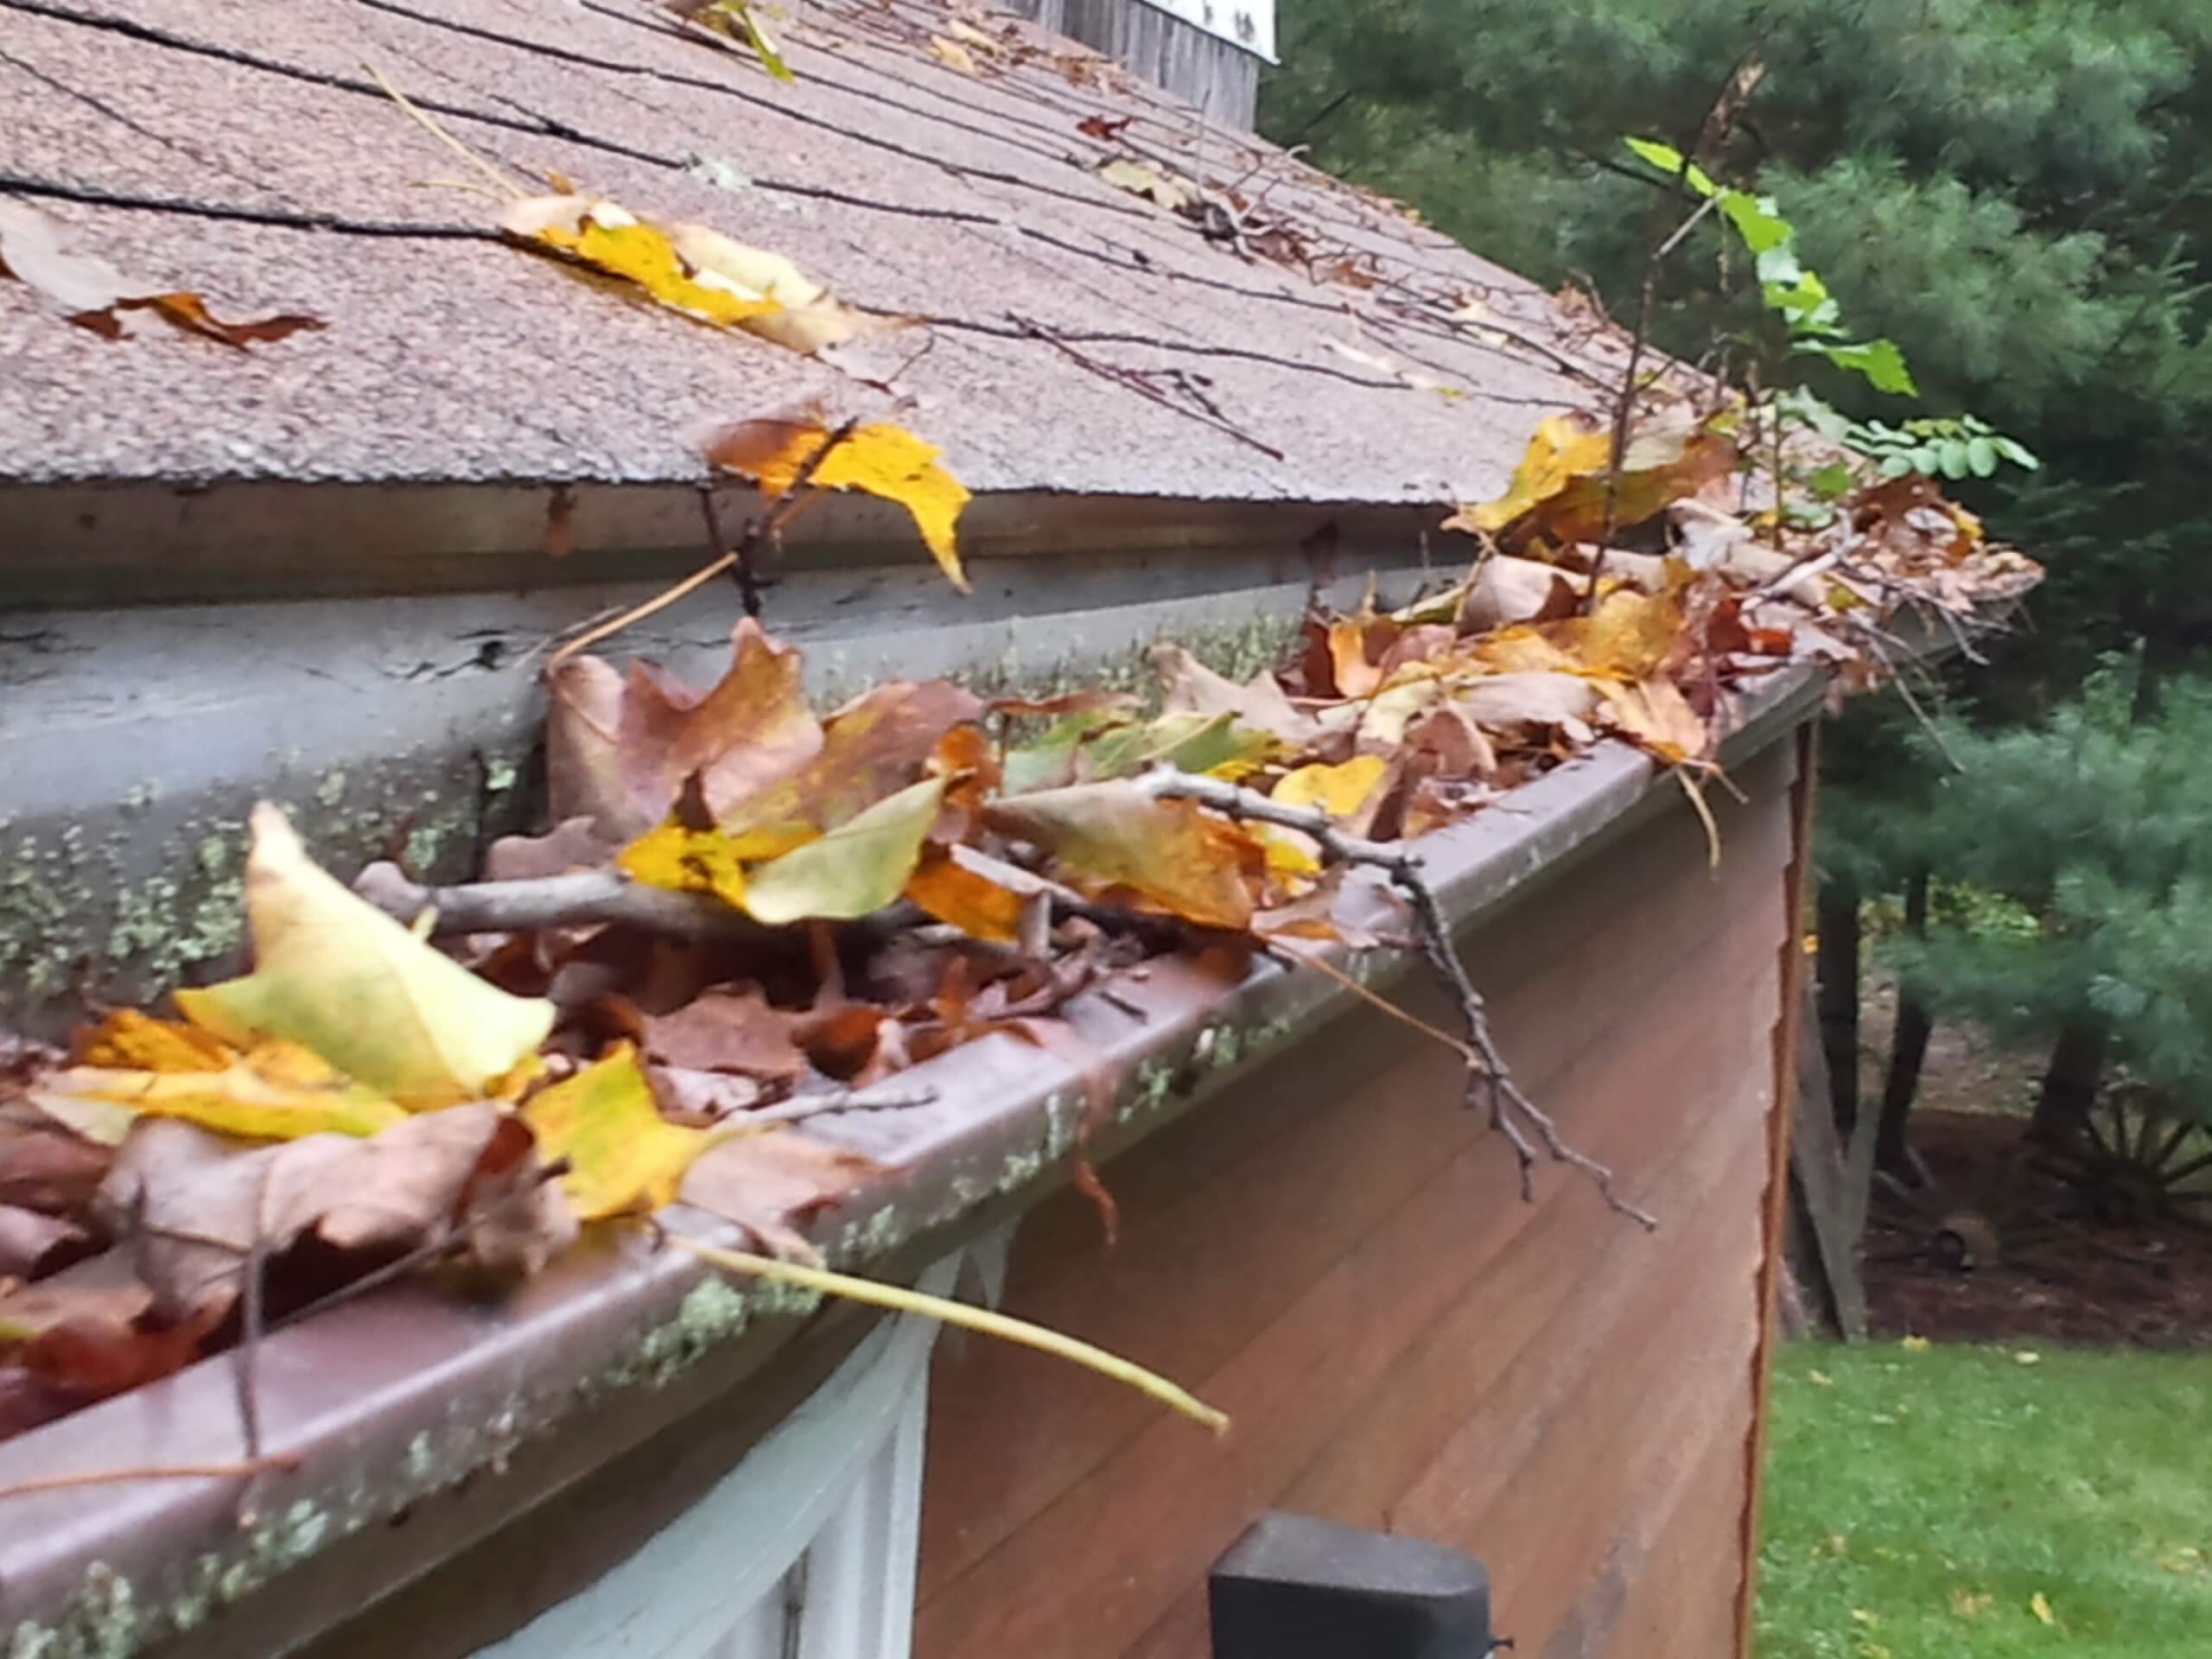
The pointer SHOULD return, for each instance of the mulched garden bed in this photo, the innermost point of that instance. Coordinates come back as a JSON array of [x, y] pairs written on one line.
[[2144, 1286]]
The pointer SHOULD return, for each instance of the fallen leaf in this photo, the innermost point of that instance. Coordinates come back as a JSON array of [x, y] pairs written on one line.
[[583, 753], [1518, 701], [2028, 1357], [853, 870], [35, 249], [1820, 1379], [1107, 129], [336, 975], [1914, 1344], [1340, 790], [675, 856], [969, 900], [610, 239], [734, 21], [126, 1040], [2039, 1604], [1505, 590], [773, 1184], [1114, 838], [804, 317], [1968, 1604], [623, 1156], [1560, 490], [880, 460], [1562, 450], [32, 1245], [728, 1031], [954, 55], [1451, 736], [873, 746], [1189, 687], [751, 729], [1141, 178], [276, 1090], [1657, 718], [202, 1205]]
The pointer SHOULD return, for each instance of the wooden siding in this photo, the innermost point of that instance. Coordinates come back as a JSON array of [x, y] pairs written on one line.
[[1218, 75], [1333, 1252]]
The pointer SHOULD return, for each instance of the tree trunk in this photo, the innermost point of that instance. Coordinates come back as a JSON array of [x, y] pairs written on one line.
[[2069, 1082], [1828, 1186], [1836, 969], [1908, 1048]]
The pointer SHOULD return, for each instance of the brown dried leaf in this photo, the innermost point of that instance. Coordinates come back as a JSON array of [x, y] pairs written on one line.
[[35, 249], [729, 1031], [1192, 687], [204, 1199], [752, 729]]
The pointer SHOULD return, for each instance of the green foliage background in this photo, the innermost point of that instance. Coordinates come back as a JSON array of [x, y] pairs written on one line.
[[2020, 192]]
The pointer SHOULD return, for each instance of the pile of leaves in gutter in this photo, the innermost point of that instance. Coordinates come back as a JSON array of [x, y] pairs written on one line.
[[748, 915]]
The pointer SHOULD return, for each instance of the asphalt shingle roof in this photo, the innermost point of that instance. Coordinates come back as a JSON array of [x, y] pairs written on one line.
[[241, 149]]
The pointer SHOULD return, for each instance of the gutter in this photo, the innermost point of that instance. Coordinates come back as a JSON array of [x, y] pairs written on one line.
[[421, 1423]]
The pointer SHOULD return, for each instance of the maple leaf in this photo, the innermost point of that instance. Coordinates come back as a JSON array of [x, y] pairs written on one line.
[[1560, 489], [623, 1156], [880, 460], [338, 976], [35, 249], [683, 860], [750, 729], [1113, 838]]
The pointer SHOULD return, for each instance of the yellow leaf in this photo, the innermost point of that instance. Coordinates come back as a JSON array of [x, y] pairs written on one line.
[[1968, 1604], [1562, 450], [1141, 180], [705, 861], [2028, 1357], [337, 975], [2039, 1604], [1913, 1345], [1340, 790], [953, 55], [1292, 854], [1820, 1379], [854, 870], [882, 460], [275, 1091], [615, 241], [127, 1040], [1657, 718], [623, 1155]]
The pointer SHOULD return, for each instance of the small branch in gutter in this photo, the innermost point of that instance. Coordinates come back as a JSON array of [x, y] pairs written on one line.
[[605, 896], [1489, 1081]]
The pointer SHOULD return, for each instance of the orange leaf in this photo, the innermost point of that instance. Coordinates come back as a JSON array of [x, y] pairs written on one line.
[[970, 901]]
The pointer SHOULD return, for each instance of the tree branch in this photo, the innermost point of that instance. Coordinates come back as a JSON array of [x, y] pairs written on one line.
[[1490, 1084]]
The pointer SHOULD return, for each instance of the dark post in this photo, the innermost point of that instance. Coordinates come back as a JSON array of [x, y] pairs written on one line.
[[1294, 1587]]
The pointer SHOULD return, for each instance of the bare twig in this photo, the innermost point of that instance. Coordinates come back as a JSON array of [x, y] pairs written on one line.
[[586, 896], [1137, 382], [1489, 1081], [244, 1470], [506, 185], [792, 502]]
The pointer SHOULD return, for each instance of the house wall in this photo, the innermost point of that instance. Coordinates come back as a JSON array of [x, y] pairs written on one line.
[[1219, 76], [1333, 1252]]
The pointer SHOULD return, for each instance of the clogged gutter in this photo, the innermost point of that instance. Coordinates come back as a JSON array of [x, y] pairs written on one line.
[[747, 916]]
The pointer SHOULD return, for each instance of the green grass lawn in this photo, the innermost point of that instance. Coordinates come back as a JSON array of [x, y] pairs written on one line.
[[1919, 1502]]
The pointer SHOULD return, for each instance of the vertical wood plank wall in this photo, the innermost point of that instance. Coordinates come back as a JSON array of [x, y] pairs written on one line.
[[1334, 1253]]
